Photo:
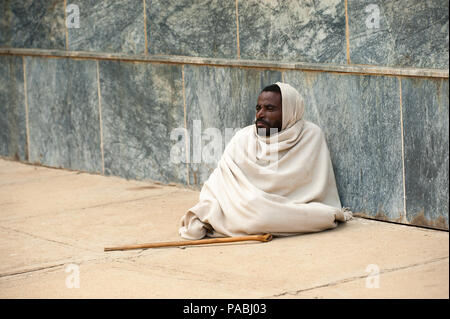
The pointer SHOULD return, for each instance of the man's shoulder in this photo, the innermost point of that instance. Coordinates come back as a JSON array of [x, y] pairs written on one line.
[[312, 128], [244, 131], [313, 132], [239, 134]]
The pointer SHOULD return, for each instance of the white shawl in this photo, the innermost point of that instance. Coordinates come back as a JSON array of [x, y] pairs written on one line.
[[283, 184]]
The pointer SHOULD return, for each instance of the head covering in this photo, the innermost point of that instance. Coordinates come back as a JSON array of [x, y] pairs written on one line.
[[292, 105], [281, 184]]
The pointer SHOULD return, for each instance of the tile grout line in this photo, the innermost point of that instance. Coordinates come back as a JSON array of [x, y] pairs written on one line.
[[237, 31], [25, 89], [186, 135], [403, 147], [347, 34], [100, 118], [65, 25], [145, 28]]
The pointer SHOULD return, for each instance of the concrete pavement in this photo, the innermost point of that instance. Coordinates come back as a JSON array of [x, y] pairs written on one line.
[[55, 223]]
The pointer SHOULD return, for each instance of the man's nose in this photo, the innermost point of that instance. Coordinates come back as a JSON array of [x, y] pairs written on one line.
[[260, 113]]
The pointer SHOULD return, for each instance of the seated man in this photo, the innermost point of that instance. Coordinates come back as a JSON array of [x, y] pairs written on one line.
[[274, 177]]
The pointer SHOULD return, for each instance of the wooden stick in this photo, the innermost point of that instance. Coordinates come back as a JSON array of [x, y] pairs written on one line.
[[262, 238]]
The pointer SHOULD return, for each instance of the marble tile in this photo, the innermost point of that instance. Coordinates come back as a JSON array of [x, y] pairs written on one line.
[[109, 26], [426, 140], [13, 136], [63, 113], [306, 31], [192, 27], [32, 24], [141, 104], [360, 116], [220, 99], [411, 33]]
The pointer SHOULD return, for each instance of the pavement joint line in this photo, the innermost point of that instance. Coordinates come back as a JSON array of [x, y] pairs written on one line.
[[87, 207], [27, 271], [130, 260], [125, 260], [421, 227], [24, 181], [49, 267], [45, 167], [355, 278], [126, 201], [79, 261], [100, 258], [46, 239], [163, 272]]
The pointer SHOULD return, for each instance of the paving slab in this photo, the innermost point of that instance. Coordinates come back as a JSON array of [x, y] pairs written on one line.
[[52, 220], [22, 252], [153, 216], [424, 281], [116, 279], [22, 188]]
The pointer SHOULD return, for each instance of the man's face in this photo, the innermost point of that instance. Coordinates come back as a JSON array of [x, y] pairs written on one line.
[[268, 113]]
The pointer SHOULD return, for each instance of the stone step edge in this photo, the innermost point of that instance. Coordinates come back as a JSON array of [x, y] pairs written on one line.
[[358, 69]]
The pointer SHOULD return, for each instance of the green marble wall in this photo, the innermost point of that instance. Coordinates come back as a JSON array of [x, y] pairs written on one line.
[[412, 33], [63, 113], [293, 30], [108, 26], [426, 138], [192, 27], [13, 135], [32, 24], [141, 104]]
